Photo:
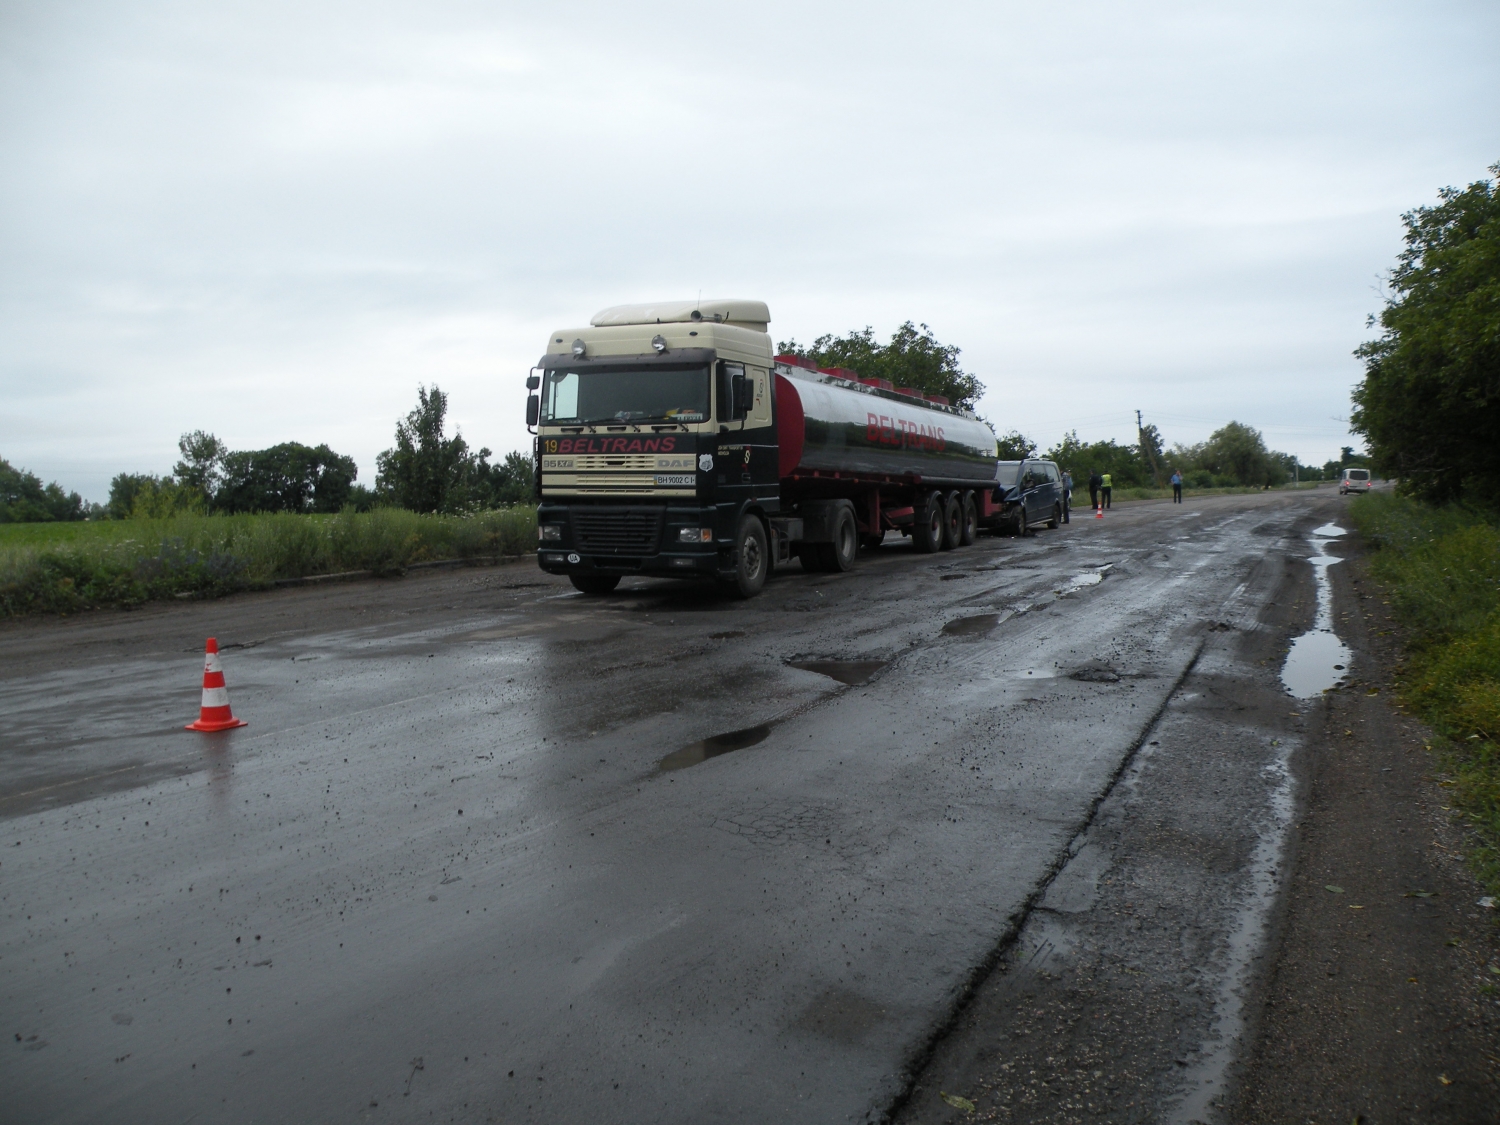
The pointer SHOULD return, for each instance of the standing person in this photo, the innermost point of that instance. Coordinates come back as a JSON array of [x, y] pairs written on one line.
[[1096, 482], [1176, 487], [1067, 496], [1106, 489]]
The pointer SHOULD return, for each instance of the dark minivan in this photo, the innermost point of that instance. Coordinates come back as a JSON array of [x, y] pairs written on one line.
[[1031, 492]]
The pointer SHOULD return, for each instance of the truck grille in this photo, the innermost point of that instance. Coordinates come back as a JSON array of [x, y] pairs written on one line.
[[637, 462], [618, 530]]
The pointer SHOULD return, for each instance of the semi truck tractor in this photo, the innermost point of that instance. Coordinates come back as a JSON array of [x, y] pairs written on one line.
[[671, 441]]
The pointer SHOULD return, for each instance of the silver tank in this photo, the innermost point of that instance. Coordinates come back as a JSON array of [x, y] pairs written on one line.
[[830, 427]]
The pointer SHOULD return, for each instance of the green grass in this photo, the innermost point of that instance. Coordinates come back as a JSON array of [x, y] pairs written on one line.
[[1442, 567], [45, 569]]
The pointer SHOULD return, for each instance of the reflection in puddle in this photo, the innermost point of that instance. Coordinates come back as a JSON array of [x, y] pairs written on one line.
[[851, 672], [1318, 658], [696, 752], [977, 625]]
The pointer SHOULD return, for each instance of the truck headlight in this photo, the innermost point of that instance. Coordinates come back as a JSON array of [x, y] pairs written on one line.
[[695, 535], [549, 532]]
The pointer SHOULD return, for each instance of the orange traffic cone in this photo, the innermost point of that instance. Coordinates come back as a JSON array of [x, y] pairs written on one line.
[[1098, 513], [215, 713]]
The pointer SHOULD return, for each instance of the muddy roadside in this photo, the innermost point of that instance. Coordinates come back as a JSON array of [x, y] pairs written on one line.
[[1380, 1003], [1189, 962]]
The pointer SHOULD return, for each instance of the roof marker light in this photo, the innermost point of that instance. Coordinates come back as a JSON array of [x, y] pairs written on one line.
[[659, 342], [579, 347]]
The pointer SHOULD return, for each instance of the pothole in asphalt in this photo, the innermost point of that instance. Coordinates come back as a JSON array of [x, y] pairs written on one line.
[[1095, 674], [951, 577], [974, 626], [727, 635], [696, 752], [851, 672]]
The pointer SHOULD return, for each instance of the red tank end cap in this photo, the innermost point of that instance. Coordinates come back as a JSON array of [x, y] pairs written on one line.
[[909, 391], [797, 361], [840, 373], [885, 384], [939, 399]]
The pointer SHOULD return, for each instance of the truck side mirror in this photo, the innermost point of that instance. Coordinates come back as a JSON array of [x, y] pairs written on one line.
[[744, 395], [533, 382], [533, 409]]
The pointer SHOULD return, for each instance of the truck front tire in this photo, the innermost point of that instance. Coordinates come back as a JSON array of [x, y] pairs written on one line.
[[751, 559], [927, 527], [595, 583]]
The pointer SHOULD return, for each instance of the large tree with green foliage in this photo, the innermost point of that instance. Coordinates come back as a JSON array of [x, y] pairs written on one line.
[[427, 471], [1430, 400], [290, 477], [25, 499], [912, 358]]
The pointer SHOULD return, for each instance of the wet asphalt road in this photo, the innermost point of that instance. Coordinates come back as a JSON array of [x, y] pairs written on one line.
[[443, 875]]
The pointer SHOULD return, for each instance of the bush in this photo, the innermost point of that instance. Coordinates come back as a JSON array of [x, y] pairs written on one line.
[[207, 556]]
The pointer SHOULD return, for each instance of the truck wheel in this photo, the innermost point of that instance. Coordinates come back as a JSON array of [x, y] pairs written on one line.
[[842, 552], [1056, 517], [751, 559], [595, 583], [927, 528], [1018, 522], [953, 518], [968, 530]]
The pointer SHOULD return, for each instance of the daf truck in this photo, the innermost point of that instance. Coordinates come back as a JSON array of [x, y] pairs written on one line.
[[671, 441]]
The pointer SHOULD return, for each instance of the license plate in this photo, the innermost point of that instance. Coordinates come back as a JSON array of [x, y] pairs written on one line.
[[676, 480]]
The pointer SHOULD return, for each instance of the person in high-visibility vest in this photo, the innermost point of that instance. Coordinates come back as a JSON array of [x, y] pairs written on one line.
[[1105, 489]]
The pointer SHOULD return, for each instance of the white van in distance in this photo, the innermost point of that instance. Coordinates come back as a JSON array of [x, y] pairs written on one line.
[[1354, 480]]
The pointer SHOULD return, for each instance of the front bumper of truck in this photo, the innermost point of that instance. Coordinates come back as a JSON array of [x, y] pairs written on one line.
[[634, 539]]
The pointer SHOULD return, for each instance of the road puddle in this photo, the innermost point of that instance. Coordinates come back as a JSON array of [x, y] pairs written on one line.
[[851, 672], [1318, 660], [975, 626], [695, 753]]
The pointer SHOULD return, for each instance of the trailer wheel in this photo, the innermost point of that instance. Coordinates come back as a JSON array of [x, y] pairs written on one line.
[[595, 583], [927, 527], [842, 552], [968, 530], [953, 519], [751, 559]]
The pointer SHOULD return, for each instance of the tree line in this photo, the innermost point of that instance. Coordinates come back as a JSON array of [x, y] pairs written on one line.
[[1430, 399], [426, 470]]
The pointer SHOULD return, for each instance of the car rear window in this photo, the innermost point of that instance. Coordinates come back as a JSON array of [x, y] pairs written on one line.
[[1359, 474]]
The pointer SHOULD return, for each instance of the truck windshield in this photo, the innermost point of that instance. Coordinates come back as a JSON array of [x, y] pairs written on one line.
[[1008, 473], [650, 395]]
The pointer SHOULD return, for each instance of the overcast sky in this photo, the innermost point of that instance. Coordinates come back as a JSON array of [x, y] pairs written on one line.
[[272, 221]]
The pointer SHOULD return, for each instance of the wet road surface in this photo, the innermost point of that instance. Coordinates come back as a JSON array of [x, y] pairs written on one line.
[[493, 850]]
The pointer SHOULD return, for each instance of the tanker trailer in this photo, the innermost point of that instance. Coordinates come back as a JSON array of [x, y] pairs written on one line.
[[671, 442]]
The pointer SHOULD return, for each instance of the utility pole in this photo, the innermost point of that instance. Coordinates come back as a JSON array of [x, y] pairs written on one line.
[[1148, 449]]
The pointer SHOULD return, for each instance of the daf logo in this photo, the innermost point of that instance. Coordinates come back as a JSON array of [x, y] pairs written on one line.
[[574, 559], [705, 462]]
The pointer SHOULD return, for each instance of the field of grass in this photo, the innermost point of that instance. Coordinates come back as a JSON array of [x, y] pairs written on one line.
[[66, 567], [1442, 567]]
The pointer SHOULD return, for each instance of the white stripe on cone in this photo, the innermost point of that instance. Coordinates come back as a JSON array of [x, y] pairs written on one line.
[[215, 697]]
